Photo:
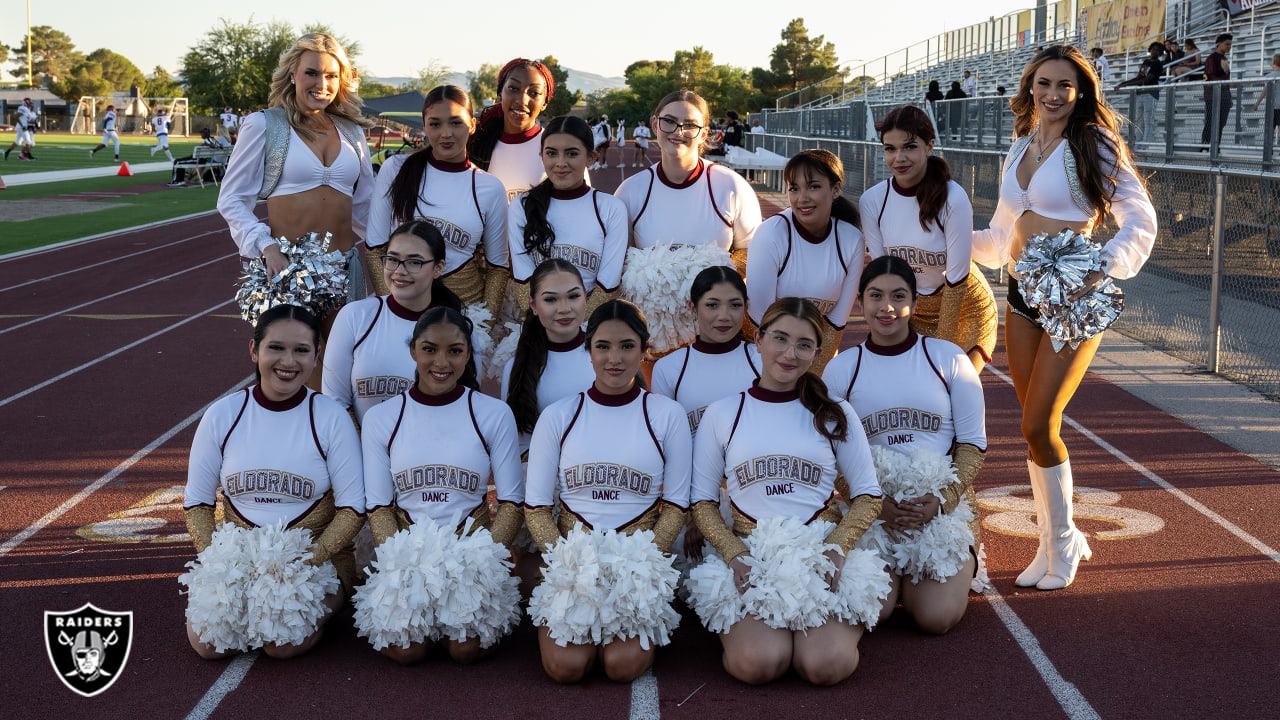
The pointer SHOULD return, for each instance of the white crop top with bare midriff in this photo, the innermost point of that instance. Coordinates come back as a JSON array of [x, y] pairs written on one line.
[[304, 171], [1047, 194]]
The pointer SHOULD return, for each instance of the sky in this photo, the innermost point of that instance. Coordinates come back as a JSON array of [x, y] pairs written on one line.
[[597, 36]]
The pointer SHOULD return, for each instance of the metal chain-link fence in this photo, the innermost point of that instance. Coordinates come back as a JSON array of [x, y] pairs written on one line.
[[1227, 322]]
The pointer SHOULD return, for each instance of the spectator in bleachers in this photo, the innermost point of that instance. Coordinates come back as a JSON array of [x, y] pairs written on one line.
[[1272, 77], [1000, 91], [1062, 126], [1217, 68], [1149, 74], [955, 110], [1100, 64], [932, 97], [1192, 65], [1173, 50], [969, 84]]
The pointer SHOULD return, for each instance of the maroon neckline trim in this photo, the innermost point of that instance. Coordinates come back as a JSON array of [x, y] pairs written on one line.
[[517, 138], [436, 400], [282, 405], [573, 344], [401, 311], [573, 194], [895, 349], [449, 167], [809, 237], [614, 400], [693, 177], [771, 396], [904, 192], [710, 348]]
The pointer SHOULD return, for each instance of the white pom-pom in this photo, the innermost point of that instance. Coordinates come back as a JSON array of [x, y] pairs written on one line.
[[981, 582], [864, 585], [941, 548], [284, 597], [606, 586], [503, 352], [394, 606], [216, 585], [483, 321], [481, 598], [658, 280], [710, 592]]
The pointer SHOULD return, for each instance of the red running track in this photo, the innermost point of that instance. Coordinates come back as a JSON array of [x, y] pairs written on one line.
[[1174, 618]]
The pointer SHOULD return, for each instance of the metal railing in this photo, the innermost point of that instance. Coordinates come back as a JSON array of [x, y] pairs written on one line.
[[1209, 294]]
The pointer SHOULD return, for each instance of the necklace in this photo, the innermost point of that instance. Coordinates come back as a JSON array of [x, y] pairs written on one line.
[[1040, 149]]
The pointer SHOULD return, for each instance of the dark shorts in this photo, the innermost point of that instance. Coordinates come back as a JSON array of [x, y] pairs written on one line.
[[1018, 306]]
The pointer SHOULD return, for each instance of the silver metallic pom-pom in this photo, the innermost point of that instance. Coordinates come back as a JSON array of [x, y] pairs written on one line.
[[1051, 268], [315, 278]]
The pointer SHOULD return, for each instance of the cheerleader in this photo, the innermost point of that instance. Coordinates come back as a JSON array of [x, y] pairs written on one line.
[[781, 444], [1068, 168], [620, 459], [277, 427], [366, 363], [504, 142], [551, 361], [813, 249], [895, 373], [720, 362], [564, 217], [428, 456], [439, 184], [702, 210], [307, 157], [924, 217]]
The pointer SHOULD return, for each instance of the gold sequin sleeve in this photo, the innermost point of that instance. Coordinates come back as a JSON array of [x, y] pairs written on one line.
[[967, 460], [495, 287], [739, 258], [200, 525], [671, 518], [542, 526], [863, 511], [598, 297], [373, 260], [707, 515], [337, 535], [383, 523], [506, 523]]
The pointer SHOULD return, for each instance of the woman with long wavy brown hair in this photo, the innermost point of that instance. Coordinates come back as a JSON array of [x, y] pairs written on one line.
[[1068, 168]]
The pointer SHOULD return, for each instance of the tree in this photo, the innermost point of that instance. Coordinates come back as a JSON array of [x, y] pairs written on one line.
[[482, 85], [434, 74], [85, 79], [53, 55], [117, 69], [564, 99], [233, 63], [796, 61], [370, 90], [162, 85]]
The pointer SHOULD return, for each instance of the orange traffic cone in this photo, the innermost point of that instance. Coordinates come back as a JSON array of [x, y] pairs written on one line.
[[124, 170]]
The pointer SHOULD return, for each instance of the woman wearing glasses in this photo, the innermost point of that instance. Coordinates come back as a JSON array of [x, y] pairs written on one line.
[[781, 445], [365, 362], [440, 185], [682, 201]]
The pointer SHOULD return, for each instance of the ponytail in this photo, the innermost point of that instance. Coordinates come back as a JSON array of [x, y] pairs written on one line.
[[843, 209], [485, 139], [932, 194], [407, 188], [539, 236], [828, 417], [526, 370]]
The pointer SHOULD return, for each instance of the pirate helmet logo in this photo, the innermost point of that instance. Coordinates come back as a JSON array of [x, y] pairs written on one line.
[[88, 647]]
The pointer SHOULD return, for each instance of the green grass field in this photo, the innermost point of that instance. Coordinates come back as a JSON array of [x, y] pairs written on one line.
[[61, 151], [65, 152]]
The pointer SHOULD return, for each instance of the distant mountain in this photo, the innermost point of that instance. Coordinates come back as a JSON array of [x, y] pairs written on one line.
[[578, 80]]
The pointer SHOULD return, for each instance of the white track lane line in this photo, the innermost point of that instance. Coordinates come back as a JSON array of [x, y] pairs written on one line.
[[8, 545], [64, 311], [113, 353], [1268, 551], [644, 697], [1066, 693], [227, 682], [100, 236], [117, 258]]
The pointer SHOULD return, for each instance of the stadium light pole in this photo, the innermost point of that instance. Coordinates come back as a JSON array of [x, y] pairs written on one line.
[[30, 78]]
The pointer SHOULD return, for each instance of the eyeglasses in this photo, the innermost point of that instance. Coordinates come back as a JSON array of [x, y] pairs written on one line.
[[670, 125], [410, 265], [804, 348]]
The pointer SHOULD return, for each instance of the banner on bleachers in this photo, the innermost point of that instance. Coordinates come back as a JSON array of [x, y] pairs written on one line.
[[1235, 7], [1121, 25]]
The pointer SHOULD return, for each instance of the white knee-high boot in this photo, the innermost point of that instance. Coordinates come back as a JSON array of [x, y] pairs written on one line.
[[1035, 572], [1067, 545]]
